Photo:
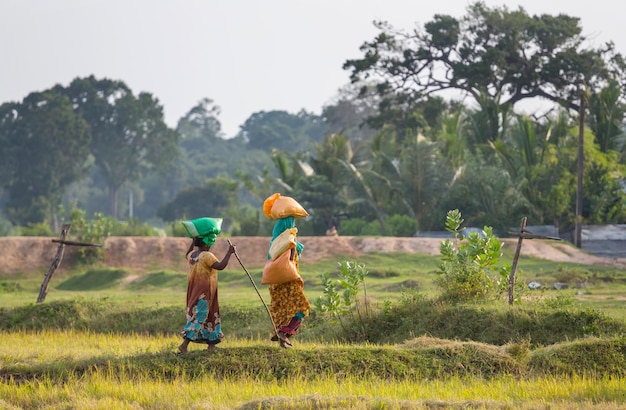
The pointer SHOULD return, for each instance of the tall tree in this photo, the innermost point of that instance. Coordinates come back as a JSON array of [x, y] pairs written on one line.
[[495, 56], [336, 160], [129, 134], [283, 131], [529, 154], [47, 148], [425, 174], [216, 197], [322, 198], [348, 113]]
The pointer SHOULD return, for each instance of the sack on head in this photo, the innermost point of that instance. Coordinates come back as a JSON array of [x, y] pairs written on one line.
[[205, 228], [277, 206]]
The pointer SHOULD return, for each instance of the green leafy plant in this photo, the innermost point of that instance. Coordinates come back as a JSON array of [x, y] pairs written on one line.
[[468, 266], [340, 297], [37, 229], [94, 231], [401, 225]]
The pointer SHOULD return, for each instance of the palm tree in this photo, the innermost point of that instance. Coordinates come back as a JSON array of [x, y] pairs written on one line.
[[606, 118]]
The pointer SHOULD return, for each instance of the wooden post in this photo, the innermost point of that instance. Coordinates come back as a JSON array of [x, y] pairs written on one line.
[[523, 233], [57, 259], [55, 263], [522, 228]]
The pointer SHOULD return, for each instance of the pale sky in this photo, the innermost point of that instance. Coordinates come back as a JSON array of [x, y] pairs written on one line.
[[245, 55]]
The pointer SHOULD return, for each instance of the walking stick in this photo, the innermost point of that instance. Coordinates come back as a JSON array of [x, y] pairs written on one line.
[[255, 288]]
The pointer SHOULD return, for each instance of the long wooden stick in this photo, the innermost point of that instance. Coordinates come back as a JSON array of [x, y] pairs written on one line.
[[255, 288]]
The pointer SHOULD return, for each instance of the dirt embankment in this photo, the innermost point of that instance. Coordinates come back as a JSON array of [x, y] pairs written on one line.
[[21, 254]]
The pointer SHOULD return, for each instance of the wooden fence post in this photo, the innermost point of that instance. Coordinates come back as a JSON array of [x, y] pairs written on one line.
[[522, 228], [55, 263], [523, 233], [57, 259]]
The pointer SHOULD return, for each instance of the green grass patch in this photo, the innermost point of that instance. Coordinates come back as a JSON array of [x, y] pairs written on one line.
[[159, 280], [10, 287], [94, 279]]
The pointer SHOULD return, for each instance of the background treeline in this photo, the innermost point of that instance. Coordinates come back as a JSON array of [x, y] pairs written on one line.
[[390, 155]]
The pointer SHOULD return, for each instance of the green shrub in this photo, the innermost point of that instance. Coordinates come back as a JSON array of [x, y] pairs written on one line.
[[401, 225], [93, 231], [352, 227], [7, 228], [372, 228], [340, 297], [132, 227], [10, 287], [37, 229], [468, 267]]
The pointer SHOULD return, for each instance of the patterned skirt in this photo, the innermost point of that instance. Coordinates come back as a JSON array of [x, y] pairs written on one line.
[[203, 325], [287, 300]]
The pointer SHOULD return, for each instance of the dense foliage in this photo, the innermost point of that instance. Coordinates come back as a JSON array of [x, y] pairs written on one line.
[[389, 156]]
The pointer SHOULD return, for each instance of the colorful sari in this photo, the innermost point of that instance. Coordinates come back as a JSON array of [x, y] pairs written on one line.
[[289, 304], [203, 309]]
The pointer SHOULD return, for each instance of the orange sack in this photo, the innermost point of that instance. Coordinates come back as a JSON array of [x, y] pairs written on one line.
[[277, 206], [279, 270]]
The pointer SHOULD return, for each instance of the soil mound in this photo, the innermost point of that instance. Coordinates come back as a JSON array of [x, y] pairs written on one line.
[[25, 254]]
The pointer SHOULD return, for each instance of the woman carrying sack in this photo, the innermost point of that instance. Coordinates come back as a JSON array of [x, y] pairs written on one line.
[[204, 324], [289, 305]]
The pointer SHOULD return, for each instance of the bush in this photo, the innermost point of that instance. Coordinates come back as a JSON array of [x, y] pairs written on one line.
[[132, 227], [340, 296], [467, 266], [401, 225], [352, 227], [6, 228], [396, 225], [37, 229], [90, 231]]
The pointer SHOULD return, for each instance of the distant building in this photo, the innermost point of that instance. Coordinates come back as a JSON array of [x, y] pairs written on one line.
[[602, 240]]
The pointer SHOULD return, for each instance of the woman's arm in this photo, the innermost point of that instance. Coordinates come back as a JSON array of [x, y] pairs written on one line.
[[221, 265]]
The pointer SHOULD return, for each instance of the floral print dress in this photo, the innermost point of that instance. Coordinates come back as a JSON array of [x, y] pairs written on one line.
[[288, 299], [203, 309]]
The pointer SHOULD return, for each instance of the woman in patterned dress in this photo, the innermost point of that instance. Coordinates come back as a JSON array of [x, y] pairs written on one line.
[[203, 309], [289, 304]]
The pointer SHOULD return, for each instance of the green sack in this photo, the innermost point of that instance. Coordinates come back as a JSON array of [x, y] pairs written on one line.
[[205, 228]]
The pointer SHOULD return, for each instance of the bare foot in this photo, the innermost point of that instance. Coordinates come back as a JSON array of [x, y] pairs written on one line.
[[283, 340], [182, 349], [212, 348]]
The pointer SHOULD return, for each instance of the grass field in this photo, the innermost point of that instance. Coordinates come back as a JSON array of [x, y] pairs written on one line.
[[104, 338]]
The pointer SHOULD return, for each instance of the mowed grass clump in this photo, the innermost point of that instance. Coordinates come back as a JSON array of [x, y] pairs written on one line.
[[420, 358], [389, 342], [72, 369], [538, 323]]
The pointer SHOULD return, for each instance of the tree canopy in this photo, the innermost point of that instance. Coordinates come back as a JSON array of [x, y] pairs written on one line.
[[128, 133], [496, 56], [46, 146], [282, 130]]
